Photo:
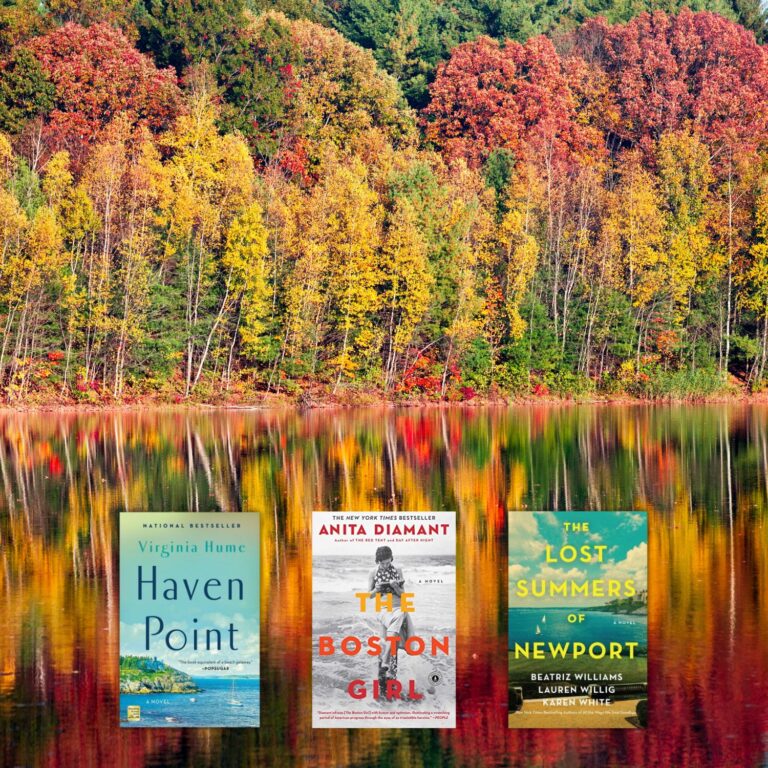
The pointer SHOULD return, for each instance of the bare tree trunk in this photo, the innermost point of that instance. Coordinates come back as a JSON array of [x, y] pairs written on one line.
[[206, 349], [228, 370]]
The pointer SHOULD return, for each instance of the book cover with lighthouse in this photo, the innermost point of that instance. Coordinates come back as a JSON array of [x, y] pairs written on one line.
[[384, 620], [189, 620], [578, 620]]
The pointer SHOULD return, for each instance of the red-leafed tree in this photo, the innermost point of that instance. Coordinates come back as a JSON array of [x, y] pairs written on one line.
[[517, 97], [98, 74], [663, 73]]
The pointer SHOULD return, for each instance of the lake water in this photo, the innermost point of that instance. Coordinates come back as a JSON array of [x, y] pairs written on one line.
[[212, 706], [700, 472], [597, 627]]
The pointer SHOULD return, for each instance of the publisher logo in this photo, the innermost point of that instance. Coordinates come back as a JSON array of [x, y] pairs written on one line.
[[134, 713], [435, 677]]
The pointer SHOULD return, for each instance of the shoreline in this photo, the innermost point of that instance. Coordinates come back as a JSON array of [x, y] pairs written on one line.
[[368, 400]]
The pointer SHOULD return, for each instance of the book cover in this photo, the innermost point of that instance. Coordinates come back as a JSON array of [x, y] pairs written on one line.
[[578, 620], [189, 620], [384, 620]]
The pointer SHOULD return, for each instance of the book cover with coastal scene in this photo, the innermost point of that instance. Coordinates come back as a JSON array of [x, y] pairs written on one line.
[[189, 620], [578, 620], [384, 620]]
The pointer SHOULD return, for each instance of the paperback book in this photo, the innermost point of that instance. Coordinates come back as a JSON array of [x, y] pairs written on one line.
[[578, 620], [189, 620], [384, 620]]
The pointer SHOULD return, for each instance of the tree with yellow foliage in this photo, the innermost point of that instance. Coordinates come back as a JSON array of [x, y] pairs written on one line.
[[407, 282], [634, 229], [247, 282], [212, 180]]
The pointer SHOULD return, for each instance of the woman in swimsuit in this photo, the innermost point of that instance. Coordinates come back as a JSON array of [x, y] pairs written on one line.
[[387, 579]]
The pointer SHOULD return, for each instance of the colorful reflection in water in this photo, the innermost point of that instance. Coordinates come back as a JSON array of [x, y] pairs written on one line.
[[701, 472]]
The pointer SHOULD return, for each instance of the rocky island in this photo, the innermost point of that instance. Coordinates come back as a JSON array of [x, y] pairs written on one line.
[[142, 674]]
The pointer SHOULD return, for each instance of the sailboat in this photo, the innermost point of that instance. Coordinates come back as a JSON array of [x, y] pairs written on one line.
[[543, 619], [232, 701], [538, 629]]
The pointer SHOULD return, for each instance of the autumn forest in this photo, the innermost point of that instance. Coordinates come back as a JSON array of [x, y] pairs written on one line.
[[227, 200]]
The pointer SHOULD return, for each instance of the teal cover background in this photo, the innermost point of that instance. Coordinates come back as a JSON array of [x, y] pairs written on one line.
[[230, 691]]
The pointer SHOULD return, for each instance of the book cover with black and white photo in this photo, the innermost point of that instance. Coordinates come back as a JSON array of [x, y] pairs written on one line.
[[384, 620]]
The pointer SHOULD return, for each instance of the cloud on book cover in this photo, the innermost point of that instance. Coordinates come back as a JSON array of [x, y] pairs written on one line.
[[633, 566]]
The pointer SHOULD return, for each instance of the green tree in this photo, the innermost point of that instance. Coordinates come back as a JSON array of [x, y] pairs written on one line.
[[25, 90]]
